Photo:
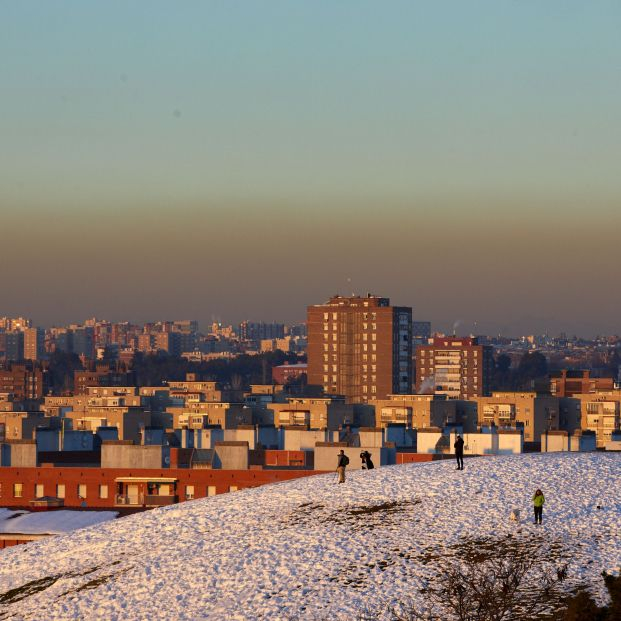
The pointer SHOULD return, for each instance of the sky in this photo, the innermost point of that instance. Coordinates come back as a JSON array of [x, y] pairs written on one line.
[[238, 160]]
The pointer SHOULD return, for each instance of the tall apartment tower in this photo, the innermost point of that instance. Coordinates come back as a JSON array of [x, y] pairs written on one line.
[[459, 368], [34, 344], [360, 347]]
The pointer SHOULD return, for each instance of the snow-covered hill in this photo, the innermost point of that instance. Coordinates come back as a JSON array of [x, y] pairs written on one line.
[[313, 549]]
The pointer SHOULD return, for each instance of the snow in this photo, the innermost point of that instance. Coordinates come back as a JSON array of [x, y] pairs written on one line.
[[310, 549], [52, 522]]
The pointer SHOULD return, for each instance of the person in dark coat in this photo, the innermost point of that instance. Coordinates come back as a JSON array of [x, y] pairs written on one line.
[[459, 452], [367, 464], [343, 461]]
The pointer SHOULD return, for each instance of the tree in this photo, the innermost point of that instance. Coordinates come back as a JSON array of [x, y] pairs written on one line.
[[502, 378], [62, 366], [532, 366]]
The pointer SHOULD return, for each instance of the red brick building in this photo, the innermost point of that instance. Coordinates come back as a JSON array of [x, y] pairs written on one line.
[[286, 372], [24, 381], [570, 383], [127, 488], [457, 367], [100, 375], [360, 347]]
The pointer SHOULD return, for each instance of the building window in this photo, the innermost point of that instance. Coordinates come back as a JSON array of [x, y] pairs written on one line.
[[211, 490], [82, 490], [60, 490], [39, 491], [18, 490], [189, 492], [103, 491], [233, 488]]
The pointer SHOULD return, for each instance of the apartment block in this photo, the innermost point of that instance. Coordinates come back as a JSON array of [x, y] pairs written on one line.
[[360, 347], [314, 413], [100, 376], [34, 344], [459, 368], [24, 381], [567, 383], [203, 414], [422, 411], [601, 413], [537, 413]]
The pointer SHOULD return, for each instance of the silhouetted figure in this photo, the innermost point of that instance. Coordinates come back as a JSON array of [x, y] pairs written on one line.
[[367, 464], [459, 452]]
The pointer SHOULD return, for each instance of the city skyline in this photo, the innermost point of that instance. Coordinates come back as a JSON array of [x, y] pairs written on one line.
[[246, 160], [458, 327]]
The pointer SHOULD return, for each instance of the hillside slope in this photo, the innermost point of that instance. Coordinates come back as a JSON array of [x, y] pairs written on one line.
[[310, 548]]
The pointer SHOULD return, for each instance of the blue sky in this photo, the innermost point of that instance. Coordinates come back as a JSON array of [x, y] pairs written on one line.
[[223, 131]]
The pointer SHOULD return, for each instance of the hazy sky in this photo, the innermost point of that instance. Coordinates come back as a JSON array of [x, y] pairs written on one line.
[[245, 159]]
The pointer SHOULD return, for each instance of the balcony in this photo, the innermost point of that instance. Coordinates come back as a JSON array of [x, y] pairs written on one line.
[[148, 500]]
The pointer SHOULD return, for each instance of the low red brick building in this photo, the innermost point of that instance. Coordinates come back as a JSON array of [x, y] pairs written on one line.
[[286, 372], [127, 487]]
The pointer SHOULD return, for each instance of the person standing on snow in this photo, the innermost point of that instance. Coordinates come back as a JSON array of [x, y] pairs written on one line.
[[342, 464], [538, 501], [366, 460], [459, 452]]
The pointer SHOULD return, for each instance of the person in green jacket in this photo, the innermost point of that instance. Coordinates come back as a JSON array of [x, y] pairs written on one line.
[[538, 500]]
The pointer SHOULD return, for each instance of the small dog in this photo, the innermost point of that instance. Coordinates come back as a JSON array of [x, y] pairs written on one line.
[[515, 515]]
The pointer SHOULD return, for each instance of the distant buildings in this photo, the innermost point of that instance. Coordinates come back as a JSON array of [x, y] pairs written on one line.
[[287, 372], [34, 344], [137, 446], [459, 368], [360, 347], [535, 413], [24, 381], [569, 383], [600, 413]]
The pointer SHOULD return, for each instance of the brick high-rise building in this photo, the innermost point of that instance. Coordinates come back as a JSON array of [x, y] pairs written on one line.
[[24, 381], [360, 347], [457, 367], [34, 344], [14, 345]]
